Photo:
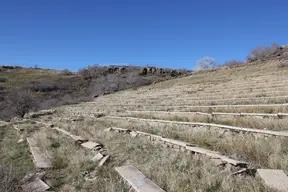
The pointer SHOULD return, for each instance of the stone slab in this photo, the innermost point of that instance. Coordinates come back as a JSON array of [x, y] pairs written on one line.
[[227, 127], [90, 144], [36, 186], [97, 157], [138, 181], [274, 178], [103, 160], [40, 160]]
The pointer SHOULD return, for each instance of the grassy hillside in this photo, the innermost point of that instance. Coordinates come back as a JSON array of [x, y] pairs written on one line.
[[17, 77], [207, 131], [198, 108], [47, 88]]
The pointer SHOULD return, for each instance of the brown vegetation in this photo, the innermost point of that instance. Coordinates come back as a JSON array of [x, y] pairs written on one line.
[[263, 53], [66, 87]]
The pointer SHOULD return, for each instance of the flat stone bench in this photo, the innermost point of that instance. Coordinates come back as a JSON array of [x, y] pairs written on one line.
[[275, 179], [137, 180], [40, 160]]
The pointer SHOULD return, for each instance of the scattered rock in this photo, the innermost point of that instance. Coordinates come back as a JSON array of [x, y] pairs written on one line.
[[36, 186], [28, 177], [90, 144], [108, 129], [97, 148], [97, 157], [245, 171], [133, 134], [85, 174], [103, 160], [275, 179]]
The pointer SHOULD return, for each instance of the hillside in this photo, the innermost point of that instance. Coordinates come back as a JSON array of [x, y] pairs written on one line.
[[218, 130], [26, 89]]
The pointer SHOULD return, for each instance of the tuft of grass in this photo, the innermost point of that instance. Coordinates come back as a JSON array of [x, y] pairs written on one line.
[[59, 162], [15, 160]]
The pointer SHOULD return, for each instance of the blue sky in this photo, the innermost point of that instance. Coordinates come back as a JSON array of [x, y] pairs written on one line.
[[167, 33]]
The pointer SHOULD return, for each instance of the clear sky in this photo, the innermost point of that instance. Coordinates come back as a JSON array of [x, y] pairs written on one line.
[[167, 33]]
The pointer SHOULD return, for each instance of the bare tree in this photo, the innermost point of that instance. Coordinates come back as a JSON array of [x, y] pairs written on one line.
[[262, 53], [205, 63], [22, 101]]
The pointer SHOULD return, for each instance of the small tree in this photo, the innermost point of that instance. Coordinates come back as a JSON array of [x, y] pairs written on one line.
[[22, 101], [205, 63]]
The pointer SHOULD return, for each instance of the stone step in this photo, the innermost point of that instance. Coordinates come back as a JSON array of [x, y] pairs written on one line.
[[137, 180]]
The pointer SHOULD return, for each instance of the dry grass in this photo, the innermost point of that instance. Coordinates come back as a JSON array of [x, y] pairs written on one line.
[[15, 160], [172, 171], [70, 162], [267, 152], [20, 77], [185, 102], [247, 122], [265, 109]]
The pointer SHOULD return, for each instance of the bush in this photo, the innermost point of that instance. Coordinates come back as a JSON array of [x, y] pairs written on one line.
[[3, 79], [85, 73], [66, 72], [22, 102], [43, 87], [205, 63], [262, 53], [233, 63]]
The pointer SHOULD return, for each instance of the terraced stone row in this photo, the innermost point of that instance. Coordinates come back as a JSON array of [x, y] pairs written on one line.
[[226, 127], [275, 179], [263, 115]]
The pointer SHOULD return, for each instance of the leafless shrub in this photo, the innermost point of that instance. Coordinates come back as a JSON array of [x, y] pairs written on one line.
[[262, 53], [205, 63], [111, 84], [93, 72], [22, 101], [90, 82], [132, 79], [233, 63], [84, 73], [66, 72], [43, 87]]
